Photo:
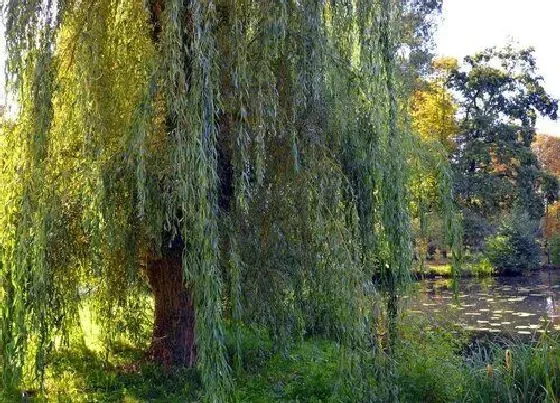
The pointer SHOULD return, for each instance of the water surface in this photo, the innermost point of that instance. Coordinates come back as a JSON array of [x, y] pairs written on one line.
[[523, 305]]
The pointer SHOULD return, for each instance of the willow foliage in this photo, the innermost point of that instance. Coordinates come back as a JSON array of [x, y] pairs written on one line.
[[268, 135]]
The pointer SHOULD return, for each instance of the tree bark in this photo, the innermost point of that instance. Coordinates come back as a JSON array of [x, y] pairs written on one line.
[[173, 338]]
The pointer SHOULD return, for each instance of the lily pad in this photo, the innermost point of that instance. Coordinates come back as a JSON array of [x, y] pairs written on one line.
[[524, 314]]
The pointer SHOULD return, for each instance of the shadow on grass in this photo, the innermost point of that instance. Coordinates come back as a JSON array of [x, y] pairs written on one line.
[[82, 375], [306, 372]]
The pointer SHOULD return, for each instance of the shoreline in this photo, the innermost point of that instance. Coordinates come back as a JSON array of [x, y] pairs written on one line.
[[444, 272]]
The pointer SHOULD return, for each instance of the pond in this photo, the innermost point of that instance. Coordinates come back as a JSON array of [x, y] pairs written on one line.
[[523, 305]]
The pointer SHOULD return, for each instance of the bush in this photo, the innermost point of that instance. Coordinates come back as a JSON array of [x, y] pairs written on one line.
[[482, 267], [514, 248], [554, 249], [429, 368]]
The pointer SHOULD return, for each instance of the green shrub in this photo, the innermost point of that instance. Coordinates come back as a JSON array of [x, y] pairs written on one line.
[[481, 266], [307, 373], [429, 367], [514, 248], [554, 249]]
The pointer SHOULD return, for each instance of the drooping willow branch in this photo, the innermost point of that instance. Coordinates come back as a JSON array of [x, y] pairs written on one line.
[[266, 136]]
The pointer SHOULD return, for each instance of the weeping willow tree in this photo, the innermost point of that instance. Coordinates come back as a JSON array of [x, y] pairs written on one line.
[[247, 160]]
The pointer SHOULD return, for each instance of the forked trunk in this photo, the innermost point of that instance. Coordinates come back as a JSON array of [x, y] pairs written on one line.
[[173, 341]]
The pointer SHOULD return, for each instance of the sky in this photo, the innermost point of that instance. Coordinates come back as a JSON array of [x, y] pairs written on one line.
[[468, 26]]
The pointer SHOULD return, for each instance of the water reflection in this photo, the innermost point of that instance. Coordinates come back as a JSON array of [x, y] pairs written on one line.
[[522, 305]]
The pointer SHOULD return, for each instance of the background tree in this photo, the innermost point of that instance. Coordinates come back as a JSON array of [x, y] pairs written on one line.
[[433, 120], [552, 221], [434, 215], [547, 149], [418, 22], [500, 96], [433, 115]]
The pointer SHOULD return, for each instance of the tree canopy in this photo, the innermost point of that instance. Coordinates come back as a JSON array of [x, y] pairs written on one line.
[[501, 95], [433, 109], [246, 161], [547, 149], [193, 171]]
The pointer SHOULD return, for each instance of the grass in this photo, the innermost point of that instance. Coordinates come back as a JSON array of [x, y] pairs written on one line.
[[432, 363], [442, 270], [531, 373], [81, 375], [308, 372], [477, 267], [446, 271]]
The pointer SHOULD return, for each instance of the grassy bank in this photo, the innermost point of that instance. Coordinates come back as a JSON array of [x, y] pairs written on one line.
[[480, 269], [430, 364], [445, 270]]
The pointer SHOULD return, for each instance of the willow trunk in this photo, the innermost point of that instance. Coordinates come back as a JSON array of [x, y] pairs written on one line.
[[173, 339]]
